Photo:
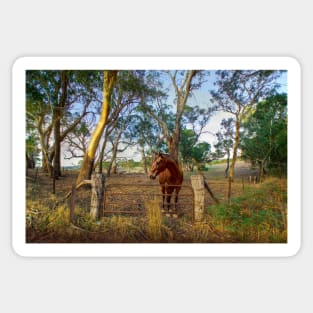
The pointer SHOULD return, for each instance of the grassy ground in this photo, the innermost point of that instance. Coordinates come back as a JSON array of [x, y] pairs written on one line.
[[256, 212]]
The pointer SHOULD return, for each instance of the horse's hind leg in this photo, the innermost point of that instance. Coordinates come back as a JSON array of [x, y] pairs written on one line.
[[176, 198], [175, 204], [169, 192], [168, 200]]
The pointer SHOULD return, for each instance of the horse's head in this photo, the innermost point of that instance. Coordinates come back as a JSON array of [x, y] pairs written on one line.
[[158, 165]]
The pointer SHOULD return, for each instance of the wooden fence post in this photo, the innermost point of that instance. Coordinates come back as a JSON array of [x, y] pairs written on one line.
[[197, 183], [97, 195]]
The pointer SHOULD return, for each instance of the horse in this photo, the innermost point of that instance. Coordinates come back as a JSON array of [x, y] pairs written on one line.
[[170, 177]]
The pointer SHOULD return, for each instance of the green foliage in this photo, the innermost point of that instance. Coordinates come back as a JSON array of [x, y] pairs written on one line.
[[190, 149], [32, 149], [105, 165], [265, 135], [187, 141], [239, 90], [254, 217], [129, 163]]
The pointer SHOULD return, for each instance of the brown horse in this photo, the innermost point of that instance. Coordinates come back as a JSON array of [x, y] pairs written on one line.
[[170, 176]]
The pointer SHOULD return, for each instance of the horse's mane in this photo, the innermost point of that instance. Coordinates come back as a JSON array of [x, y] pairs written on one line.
[[169, 157]]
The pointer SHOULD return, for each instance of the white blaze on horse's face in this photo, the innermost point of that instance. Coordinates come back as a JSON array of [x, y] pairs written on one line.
[[157, 167]]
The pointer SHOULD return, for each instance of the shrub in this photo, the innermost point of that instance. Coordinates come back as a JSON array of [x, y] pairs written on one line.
[[257, 216]]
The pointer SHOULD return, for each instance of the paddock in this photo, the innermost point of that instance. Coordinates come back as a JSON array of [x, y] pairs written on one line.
[[127, 193]]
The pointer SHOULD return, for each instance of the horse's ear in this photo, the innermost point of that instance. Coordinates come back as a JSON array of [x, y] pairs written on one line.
[[160, 154]]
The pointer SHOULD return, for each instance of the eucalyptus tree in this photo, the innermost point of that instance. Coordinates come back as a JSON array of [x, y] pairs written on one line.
[[32, 149], [238, 92], [126, 96], [121, 138], [58, 109], [52, 97], [32, 139], [183, 83], [80, 88], [225, 138], [183, 86], [147, 133], [109, 79], [39, 95], [76, 142]]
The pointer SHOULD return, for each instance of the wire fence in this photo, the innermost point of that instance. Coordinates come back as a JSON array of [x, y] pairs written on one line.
[[132, 198]]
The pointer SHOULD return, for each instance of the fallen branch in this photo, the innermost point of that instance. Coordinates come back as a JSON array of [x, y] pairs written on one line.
[[206, 185], [83, 183]]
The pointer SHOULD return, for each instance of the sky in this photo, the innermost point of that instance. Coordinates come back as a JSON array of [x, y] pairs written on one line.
[[200, 97]]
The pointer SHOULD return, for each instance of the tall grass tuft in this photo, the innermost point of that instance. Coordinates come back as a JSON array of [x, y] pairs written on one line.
[[154, 219]]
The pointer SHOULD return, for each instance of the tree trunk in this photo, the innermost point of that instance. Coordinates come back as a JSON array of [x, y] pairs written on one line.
[[235, 149], [46, 165], [144, 160], [174, 145], [112, 161], [114, 153], [229, 188], [227, 167], [261, 170], [63, 135], [30, 161], [108, 84], [44, 136], [182, 93], [57, 144], [57, 115], [101, 155], [100, 160]]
